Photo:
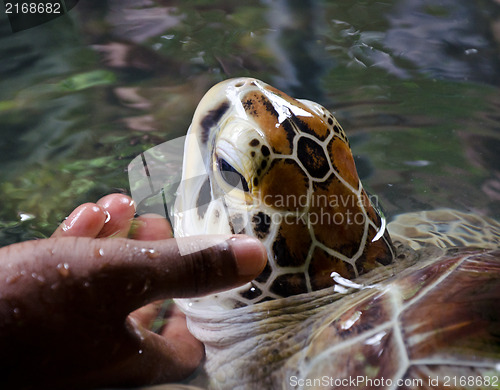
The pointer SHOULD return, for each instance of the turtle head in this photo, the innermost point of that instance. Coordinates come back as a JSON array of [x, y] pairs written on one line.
[[281, 169]]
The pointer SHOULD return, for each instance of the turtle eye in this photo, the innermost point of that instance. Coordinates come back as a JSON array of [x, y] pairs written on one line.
[[231, 175]]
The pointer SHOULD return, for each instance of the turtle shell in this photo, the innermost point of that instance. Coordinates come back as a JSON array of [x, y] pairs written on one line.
[[429, 320], [434, 326]]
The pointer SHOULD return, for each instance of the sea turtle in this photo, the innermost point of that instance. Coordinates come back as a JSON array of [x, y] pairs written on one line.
[[340, 304]]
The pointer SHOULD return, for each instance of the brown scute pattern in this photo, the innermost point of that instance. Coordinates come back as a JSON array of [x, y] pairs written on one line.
[[343, 162], [338, 222], [339, 131], [459, 316], [313, 157], [313, 124], [361, 318], [295, 160], [265, 151], [284, 185], [411, 289], [289, 129], [292, 244], [375, 254], [252, 293], [263, 112], [289, 284], [287, 178], [433, 319], [261, 224], [265, 274], [374, 361], [369, 206], [325, 184], [302, 125], [322, 265]]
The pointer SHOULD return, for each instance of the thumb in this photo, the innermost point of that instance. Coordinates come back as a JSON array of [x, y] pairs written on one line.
[[119, 275]]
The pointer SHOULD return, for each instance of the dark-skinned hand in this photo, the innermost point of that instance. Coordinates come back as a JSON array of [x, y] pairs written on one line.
[[75, 309]]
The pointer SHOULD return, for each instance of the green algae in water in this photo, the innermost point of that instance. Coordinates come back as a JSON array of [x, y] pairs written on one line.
[[88, 79]]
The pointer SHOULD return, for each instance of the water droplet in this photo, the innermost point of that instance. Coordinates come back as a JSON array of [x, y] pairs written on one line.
[[346, 282], [375, 339], [145, 287], [150, 253], [352, 320], [418, 163], [99, 252], [25, 216], [38, 277], [340, 289], [468, 52], [63, 269], [13, 278]]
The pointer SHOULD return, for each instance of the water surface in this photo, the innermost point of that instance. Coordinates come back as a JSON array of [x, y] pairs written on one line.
[[415, 85]]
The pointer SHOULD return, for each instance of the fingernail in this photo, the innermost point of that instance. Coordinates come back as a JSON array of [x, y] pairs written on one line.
[[70, 221], [250, 253]]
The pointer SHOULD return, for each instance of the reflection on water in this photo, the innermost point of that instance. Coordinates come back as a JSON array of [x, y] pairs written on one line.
[[449, 39], [413, 83]]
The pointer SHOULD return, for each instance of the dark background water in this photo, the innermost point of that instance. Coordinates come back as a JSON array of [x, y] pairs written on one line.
[[414, 84]]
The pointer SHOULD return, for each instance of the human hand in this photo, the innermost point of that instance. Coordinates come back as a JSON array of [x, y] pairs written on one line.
[[67, 303]]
